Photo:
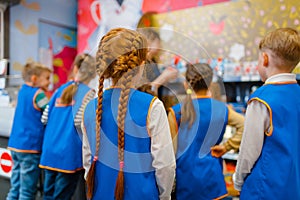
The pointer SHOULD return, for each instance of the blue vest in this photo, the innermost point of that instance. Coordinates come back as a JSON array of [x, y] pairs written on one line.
[[27, 130], [139, 175], [62, 147], [198, 174], [276, 174]]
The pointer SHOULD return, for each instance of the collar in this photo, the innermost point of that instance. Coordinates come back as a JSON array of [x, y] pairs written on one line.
[[283, 77]]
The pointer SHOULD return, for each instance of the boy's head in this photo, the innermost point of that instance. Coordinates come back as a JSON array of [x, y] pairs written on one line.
[[37, 75], [280, 50]]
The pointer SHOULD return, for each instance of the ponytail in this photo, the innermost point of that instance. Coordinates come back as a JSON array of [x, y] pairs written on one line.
[[68, 93], [188, 110]]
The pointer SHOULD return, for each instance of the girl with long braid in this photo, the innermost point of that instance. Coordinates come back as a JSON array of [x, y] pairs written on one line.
[[197, 125], [61, 157], [127, 147]]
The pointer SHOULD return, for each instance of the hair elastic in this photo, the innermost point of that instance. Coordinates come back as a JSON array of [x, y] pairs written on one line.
[[121, 164], [189, 91], [95, 158]]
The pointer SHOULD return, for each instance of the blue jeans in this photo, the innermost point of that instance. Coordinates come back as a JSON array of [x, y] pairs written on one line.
[[59, 186], [24, 177]]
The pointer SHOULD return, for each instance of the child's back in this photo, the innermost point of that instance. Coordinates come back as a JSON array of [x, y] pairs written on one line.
[[61, 158], [268, 165], [201, 123], [199, 175], [27, 133]]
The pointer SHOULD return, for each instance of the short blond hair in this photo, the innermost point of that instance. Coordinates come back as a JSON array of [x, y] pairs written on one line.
[[33, 68], [284, 44]]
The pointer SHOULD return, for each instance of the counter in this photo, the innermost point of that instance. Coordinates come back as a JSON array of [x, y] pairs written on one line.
[[6, 120]]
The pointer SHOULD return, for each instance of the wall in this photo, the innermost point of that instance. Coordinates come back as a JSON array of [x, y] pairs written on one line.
[[28, 19], [226, 33], [96, 17]]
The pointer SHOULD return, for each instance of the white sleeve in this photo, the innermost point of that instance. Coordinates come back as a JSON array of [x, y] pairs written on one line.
[[86, 151], [162, 149], [257, 121]]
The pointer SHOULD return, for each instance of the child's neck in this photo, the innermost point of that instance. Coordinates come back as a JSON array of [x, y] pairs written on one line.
[[30, 84], [203, 92]]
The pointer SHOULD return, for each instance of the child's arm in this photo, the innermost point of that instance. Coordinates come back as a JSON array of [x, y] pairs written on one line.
[[235, 120], [86, 151], [173, 128], [45, 115], [78, 118], [162, 149], [256, 122], [41, 100]]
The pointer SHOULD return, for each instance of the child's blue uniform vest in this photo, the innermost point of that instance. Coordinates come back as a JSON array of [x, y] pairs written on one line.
[[62, 147], [27, 130], [276, 174], [198, 174], [139, 175]]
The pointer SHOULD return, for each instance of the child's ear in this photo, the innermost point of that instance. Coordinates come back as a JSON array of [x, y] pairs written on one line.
[[33, 79], [265, 59]]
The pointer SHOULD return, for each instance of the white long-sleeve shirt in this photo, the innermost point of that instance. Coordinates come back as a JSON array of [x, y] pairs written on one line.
[[162, 152], [253, 136]]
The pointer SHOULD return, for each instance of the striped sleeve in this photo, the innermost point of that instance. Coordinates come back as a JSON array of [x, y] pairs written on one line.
[[78, 117], [41, 100], [44, 118]]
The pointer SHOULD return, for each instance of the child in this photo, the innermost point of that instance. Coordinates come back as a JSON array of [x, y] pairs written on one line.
[[200, 123], [62, 155], [128, 148], [25, 141], [268, 165], [157, 80]]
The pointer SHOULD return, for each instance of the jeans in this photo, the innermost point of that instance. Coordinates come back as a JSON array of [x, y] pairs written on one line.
[[24, 177], [60, 186], [80, 191]]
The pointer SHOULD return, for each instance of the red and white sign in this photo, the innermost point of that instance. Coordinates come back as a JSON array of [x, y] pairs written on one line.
[[6, 163]]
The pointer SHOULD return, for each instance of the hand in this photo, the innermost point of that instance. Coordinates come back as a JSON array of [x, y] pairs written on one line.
[[218, 150]]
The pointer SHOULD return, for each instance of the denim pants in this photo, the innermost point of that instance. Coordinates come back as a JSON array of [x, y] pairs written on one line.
[[59, 185], [25, 176]]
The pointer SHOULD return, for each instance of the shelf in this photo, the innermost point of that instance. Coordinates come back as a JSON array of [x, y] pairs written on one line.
[[253, 78]]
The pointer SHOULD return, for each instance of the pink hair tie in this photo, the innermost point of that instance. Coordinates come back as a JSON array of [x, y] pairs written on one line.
[[95, 158], [121, 164]]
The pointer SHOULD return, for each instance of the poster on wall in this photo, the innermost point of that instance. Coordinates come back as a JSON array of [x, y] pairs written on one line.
[[24, 19], [57, 50], [95, 18]]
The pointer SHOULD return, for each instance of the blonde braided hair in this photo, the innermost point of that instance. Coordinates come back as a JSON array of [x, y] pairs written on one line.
[[120, 52]]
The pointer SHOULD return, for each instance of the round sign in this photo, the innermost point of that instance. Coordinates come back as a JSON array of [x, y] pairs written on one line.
[[6, 162]]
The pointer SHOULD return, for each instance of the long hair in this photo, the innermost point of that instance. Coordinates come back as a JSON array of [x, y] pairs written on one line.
[[119, 54], [86, 65], [199, 77]]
